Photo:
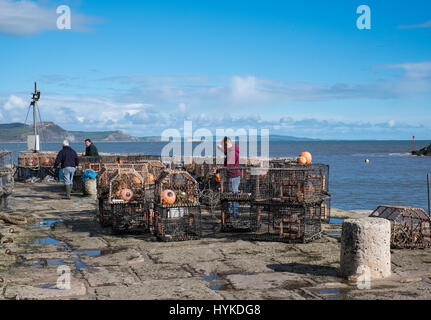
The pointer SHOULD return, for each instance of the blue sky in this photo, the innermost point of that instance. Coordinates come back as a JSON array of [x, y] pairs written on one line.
[[299, 68]]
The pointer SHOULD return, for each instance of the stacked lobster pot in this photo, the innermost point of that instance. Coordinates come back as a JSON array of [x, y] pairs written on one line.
[[177, 213], [291, 202], [203, 170], [6, 177], [36, 164], [285, 202], [237, 193], [96, 164], [124, 193]]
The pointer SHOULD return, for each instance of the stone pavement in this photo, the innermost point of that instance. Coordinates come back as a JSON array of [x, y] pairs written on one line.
[[219, 266]]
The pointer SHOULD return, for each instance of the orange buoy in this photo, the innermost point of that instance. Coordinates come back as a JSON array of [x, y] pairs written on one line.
[[168, 197], [302, 160], [217, 177], [126, 194], [307, 155], [151, 178], [137, 180]]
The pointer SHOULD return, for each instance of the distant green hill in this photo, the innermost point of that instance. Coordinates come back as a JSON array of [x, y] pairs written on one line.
[[50, 132]]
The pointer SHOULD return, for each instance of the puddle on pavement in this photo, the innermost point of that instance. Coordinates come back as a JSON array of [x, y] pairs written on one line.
[[61, 262], [329, 294], [38, 265], [46, 223], [216, 283], [79, 264], [47, 241], [74, 259], [49, 286], [336, 221], [55, 262]]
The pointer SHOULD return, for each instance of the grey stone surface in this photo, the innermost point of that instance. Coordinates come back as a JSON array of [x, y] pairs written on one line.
[[219, 266]]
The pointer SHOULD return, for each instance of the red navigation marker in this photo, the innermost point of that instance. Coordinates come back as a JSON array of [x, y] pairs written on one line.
[[413, 143]]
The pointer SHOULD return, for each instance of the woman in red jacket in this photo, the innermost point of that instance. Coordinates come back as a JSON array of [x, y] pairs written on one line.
[[231, 159]]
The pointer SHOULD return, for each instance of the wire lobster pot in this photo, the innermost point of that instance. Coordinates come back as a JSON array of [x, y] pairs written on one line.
[[292, 184], [282, 162], [410, 227], [89, 163], [209, 192], [124, 192], [177, 213], [181, 183], [238, 216], [29, 160], [203, 171], [47, 159], [237, 192], [291, 223], [134, 158], [155, 168], [177, 223], [247, 177], [6, 177], [129, 217], [36, 160]]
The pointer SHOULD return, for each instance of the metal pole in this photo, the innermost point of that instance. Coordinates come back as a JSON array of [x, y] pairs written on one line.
[[34, 112], [35, 118], [429, 195]]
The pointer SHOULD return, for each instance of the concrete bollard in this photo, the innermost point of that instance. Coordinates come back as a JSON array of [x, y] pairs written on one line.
[[365, 243]]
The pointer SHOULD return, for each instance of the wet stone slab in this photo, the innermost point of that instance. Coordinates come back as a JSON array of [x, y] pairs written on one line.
[[219, 266], [151, 271], [46, 291], [101, 276], [127, 257], [160, 289]]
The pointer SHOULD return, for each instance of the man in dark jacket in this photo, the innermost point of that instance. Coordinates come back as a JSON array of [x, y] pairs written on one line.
[[68, 159], [90, 150]]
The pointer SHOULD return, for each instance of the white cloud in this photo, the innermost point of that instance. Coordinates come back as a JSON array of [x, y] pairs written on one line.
[[415, 71], [132, 112], [14, 102], [426, 24], [23, 17], [148, 108], [182, 107], [244, 87], [416, 79]]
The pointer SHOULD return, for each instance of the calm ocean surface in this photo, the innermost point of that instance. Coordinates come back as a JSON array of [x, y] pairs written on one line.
[[392, 176]]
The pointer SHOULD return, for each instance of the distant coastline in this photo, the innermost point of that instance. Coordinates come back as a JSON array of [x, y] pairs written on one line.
[[51, 133]]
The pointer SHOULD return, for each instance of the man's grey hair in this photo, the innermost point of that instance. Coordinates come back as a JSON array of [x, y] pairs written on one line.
[[65, 143]]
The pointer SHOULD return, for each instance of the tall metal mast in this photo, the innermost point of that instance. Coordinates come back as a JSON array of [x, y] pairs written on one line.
[[36, 97]]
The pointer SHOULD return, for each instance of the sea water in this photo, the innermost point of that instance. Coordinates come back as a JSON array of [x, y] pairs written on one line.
[[393, 176]]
